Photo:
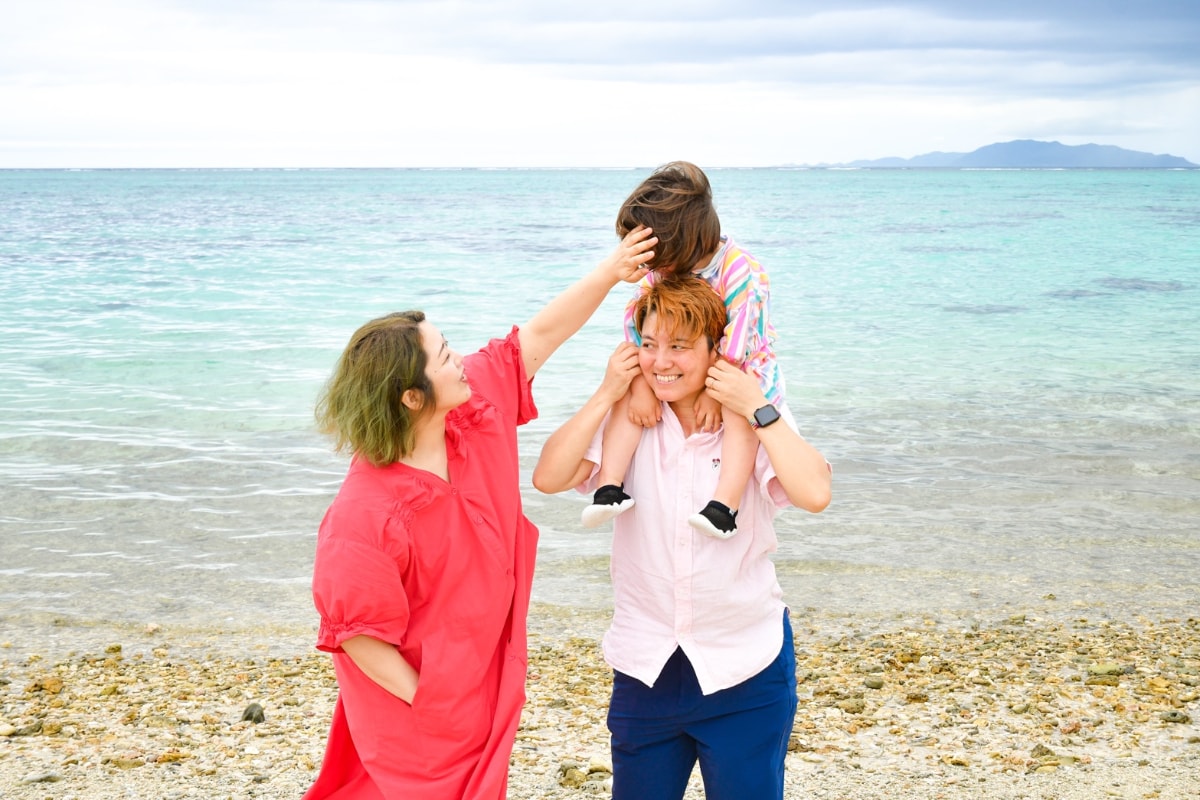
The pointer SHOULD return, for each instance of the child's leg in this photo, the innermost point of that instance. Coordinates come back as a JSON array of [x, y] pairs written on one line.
[[738, 450], [739, 446], [621, 437]]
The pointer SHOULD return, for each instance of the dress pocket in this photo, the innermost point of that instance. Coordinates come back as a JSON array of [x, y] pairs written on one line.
[[453, 714]]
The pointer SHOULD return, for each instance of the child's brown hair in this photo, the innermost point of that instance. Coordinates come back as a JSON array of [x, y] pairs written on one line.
[[676, 201]]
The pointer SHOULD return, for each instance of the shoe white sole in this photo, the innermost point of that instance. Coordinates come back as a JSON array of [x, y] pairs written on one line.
[[701, 523], [595, 515]]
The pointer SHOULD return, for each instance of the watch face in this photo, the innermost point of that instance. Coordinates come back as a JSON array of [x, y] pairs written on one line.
[[766, 415]]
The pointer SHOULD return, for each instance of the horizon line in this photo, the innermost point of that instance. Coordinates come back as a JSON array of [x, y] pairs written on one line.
[[840, 167]]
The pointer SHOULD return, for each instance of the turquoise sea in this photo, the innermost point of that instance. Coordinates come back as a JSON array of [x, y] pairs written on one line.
[[1002, 366]]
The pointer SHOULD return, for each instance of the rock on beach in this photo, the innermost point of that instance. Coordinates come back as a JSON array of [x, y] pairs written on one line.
[[1020, 707]]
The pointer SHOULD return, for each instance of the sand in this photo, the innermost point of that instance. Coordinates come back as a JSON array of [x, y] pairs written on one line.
[[910, 707]]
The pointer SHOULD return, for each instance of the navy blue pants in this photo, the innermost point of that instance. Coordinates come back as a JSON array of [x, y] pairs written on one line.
[[739, 735]]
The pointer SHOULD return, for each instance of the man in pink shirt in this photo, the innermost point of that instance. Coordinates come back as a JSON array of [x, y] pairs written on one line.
[[700, 644]]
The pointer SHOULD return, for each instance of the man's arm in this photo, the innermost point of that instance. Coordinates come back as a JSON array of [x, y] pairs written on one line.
[[800, 468], [562, 465]]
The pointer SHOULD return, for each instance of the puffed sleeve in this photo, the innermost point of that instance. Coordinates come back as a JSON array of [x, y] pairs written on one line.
[[357, 589], [497, 372]]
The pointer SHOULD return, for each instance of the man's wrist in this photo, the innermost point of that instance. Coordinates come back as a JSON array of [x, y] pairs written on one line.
[[764, 416]]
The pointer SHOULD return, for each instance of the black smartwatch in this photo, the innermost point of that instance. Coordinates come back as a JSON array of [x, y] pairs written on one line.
[[767, 415]]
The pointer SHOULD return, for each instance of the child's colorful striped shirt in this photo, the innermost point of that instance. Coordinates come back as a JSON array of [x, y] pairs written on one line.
[[749, 335]]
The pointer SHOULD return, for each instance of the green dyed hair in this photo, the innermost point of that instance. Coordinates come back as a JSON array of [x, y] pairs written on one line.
[[362, 406]]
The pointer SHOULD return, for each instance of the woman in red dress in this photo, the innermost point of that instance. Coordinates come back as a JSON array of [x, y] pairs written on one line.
[[424, 560]]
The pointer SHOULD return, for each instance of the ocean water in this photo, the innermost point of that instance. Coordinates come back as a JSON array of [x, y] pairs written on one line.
[[1003, 367]]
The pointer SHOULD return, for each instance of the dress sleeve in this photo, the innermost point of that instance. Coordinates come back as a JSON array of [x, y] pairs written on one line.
[[497, 372], [357, 590]]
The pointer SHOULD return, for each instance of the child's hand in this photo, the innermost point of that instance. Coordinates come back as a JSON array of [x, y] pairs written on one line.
[[708, 412], [644, 408], [627, 260]]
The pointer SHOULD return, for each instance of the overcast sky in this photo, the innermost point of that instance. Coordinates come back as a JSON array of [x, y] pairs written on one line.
[[560, 83]]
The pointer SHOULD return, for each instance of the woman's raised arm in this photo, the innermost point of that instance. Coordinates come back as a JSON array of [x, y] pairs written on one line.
[[563, 316]]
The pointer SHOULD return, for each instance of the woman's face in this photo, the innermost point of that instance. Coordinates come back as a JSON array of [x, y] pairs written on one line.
[[444, 368], [675, 364]]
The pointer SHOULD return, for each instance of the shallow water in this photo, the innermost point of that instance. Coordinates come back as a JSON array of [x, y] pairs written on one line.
[[1003, 367]]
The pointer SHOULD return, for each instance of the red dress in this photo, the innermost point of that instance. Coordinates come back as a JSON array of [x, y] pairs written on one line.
[[443, 571]]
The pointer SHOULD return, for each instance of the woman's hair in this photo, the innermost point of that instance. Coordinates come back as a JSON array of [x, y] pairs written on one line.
[[676, 201], [686, 305], [361, 405]]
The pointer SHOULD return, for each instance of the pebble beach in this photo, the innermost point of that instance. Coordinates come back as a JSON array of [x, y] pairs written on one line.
[[913, 707], [1001, 602]]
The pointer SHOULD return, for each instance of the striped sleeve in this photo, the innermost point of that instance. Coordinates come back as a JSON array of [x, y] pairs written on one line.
[[749, 335], [631, 332]]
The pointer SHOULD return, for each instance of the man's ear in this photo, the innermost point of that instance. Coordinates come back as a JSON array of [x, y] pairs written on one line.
[[413, 399]]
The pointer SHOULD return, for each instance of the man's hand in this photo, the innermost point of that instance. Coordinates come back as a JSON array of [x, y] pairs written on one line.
[[622, 368], [734, 389]]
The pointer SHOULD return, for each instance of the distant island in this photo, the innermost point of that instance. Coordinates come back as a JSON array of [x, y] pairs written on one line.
[[1031, 154]]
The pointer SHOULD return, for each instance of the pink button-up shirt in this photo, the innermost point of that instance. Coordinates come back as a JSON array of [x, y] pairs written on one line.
[[673, 586]]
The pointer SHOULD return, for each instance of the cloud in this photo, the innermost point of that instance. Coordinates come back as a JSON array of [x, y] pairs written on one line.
[[528, 82]]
